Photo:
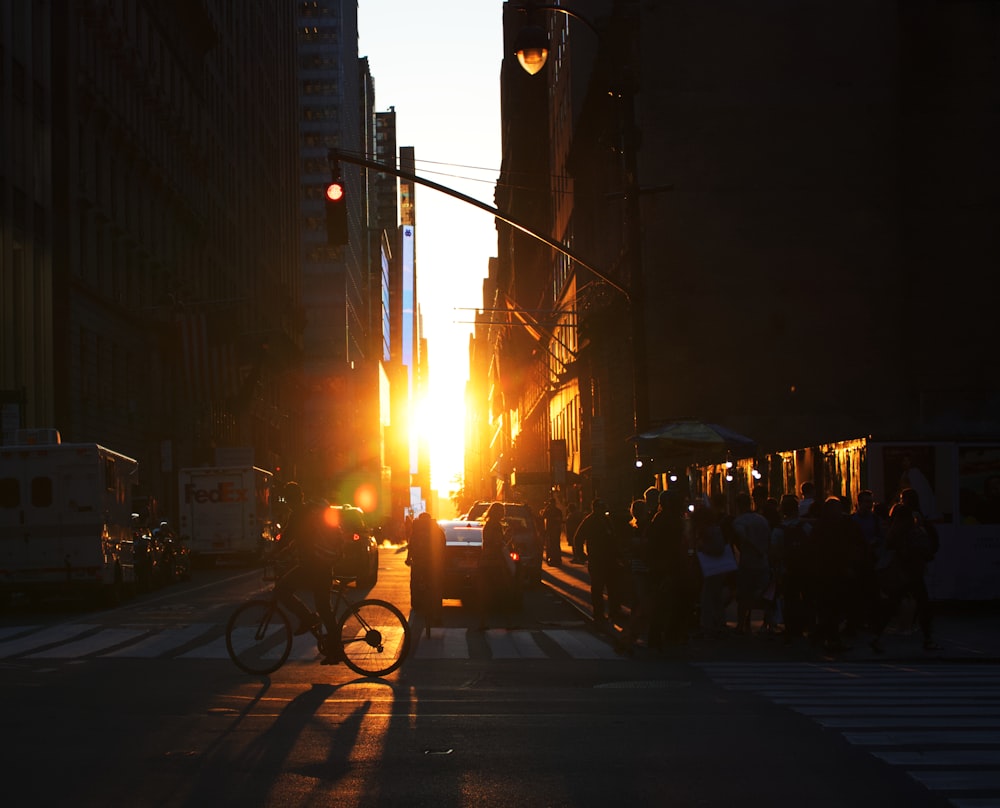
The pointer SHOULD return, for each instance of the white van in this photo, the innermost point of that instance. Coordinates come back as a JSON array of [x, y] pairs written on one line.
[[65, 517], [225, 512]]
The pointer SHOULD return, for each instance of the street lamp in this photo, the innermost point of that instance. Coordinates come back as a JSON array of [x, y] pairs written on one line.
[[532, 43], [532, 48]]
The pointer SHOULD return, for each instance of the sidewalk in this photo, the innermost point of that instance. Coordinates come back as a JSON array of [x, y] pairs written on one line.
[[966, 631]]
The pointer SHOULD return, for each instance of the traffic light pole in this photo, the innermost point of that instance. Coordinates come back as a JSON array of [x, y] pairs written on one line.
[[364, 162]]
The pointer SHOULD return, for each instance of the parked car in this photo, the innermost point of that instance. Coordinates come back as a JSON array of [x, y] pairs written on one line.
[[463, 549], [521, 527], [360, 558]]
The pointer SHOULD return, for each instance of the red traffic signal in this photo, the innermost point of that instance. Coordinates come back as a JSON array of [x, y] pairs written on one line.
[[336, 214]]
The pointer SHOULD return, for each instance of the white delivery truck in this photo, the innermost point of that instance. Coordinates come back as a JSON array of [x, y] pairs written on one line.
[[225, 512], [65, 517]]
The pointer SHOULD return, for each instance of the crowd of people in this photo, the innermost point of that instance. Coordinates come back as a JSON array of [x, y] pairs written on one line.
[[670, 569]]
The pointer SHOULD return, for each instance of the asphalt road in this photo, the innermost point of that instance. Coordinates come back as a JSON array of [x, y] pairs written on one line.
[[140, 706]]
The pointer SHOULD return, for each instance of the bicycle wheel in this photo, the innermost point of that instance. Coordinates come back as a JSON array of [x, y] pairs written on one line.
[[259, 637], [374, 637]]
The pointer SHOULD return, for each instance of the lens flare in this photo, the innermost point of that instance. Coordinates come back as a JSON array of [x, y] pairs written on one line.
[[366, 498]]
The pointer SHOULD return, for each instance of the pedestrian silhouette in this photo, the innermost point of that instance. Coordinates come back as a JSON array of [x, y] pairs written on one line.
[[552, 518], [425, 558], [597, 538], [492, 571]]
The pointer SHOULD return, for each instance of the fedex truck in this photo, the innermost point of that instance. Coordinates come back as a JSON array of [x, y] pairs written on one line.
[[65, 517], [225, 511]]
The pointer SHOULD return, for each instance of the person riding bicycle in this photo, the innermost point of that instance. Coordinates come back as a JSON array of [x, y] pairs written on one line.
[[316, 544]]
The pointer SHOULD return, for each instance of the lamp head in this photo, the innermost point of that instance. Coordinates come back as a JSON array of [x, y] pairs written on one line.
[[532, 48]]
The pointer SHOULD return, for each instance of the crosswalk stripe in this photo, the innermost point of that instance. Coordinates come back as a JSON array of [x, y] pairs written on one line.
[[906, 722], [452, 643], [973, 708], [214, 649], [958, 780], [304, 649], [162, 642], [79, 640], [581, 644], [444, 643], [924, 738], [939, 757], [884, 701], [89, 644], [938, 723], [49, 636], [913, 695], [513, 645], [13, 631]]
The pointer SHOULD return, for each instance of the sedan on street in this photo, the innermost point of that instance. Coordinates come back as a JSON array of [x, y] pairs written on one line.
[[463, 549]]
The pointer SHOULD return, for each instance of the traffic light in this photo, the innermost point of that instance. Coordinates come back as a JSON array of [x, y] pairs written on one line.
[[336, 213]]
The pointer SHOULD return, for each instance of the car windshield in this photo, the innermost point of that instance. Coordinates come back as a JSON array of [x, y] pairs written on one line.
[[478, 511], [518, 518], [463, 533]]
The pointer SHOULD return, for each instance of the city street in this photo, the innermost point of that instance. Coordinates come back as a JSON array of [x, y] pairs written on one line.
[[141, 706], [315, 275]]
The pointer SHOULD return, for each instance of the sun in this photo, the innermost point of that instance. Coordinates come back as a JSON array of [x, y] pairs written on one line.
[[440, 421]]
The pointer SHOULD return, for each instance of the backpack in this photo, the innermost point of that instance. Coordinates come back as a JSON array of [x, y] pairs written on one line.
[[918, 544], [319, 542]]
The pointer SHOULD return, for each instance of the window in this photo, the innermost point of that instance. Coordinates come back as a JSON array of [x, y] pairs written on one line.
[[10, 492], [41, 492], [318, 61], [319, 87]]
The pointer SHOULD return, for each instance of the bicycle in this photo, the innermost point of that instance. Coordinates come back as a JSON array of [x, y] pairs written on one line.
[[372, 636]]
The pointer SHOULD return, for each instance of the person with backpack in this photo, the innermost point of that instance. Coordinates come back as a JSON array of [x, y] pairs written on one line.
[[315, 545], [792, 561]]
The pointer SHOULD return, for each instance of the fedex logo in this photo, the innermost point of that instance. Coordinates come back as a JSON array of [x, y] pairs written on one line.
[[222, 493]]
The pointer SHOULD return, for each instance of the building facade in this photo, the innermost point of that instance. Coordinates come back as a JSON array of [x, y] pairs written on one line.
[[167, 285], [787, 230], [147, 188]]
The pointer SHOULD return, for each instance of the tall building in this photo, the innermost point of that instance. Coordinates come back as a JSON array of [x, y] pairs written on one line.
[[410, 342], [788, 231], [388, 184], [148, 265], [385, 277], [336, 459]]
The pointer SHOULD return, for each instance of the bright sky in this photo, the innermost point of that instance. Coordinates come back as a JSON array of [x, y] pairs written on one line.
[[438, 64]]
